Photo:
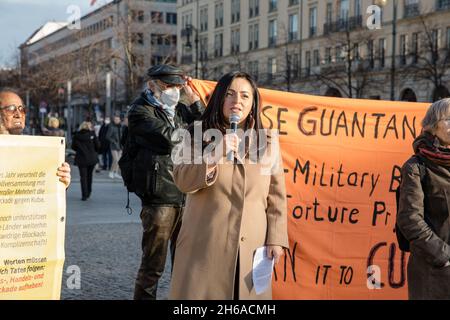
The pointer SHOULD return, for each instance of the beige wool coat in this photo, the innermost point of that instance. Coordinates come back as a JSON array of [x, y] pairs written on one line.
[[239, 210]]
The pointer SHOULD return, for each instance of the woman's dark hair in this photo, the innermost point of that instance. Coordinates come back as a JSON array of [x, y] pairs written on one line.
[[213, 117]]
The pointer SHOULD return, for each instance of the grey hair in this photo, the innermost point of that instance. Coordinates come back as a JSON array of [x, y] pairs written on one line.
[[439, 110], [8, 90]]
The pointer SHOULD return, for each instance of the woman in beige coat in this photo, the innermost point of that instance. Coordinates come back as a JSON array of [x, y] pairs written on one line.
[[232, 207]]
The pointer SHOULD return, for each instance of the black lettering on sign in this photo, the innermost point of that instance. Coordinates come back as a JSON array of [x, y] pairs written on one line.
[[280, 110], [391, 265], [287, 253], [267, 117], [396, 178], [311, 131], [323, 275], [379, 208], [346, 275]]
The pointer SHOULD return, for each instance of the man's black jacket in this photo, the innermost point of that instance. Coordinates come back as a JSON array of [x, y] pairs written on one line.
[[150, 133]]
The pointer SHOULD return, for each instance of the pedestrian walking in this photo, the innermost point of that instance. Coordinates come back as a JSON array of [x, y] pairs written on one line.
[[114, 135], [105, 145], [86, 145]]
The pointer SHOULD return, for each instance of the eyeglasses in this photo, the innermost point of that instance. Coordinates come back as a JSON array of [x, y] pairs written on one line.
[[12, 109]]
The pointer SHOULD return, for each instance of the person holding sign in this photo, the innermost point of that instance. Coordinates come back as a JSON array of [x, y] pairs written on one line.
[[424, 207], [12, 113], [233, 206]]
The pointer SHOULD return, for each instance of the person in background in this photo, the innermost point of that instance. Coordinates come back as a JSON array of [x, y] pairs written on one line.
[[424, 207], [105, 145], [86, 145], [13, 112], [153, 118], [53, 128], [123, 140], [114, 136]]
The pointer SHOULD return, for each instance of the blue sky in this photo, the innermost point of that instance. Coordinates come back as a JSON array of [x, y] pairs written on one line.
[[20, 18]]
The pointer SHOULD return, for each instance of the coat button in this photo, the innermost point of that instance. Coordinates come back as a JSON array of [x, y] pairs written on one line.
[[242, 238]]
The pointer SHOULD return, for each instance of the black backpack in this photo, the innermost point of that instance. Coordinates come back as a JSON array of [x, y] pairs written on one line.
[[126, 164], [403, 243]]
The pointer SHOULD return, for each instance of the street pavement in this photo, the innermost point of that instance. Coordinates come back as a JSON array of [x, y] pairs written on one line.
[[104, 242]]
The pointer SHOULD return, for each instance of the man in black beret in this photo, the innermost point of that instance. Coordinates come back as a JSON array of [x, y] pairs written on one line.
[[152, 119]]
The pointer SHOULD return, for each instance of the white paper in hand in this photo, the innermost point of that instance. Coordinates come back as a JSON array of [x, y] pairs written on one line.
[[262, 270]]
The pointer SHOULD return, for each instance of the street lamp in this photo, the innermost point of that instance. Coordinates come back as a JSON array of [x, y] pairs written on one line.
[[394, 43], [187, 32]]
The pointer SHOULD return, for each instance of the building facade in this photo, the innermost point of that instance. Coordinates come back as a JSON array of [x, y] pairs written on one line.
[[324, 47], [104, 58]]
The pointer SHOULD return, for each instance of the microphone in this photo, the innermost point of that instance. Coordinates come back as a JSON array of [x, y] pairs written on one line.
[[234, 120]]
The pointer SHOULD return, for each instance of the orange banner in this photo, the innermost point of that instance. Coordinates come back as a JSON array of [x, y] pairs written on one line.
[[342, 159]]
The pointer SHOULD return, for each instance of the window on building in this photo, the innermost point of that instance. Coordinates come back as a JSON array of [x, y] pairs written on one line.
[[316, 58], [271, 67], [235, 10], [403, 48], [357, 8], [204, 19], [218, 45], [272, 32], [137, 38], [253, 36], [219, 15], [382, 52], [293, 27], [328, 58], [235, 41], [371, 54], [293, 2], [295, 65], [253, 7], [157, 17], [272, 5], [137, 16], [344, 10], [415, 47], [356, 53], [204, 48], [253, 69], [448, 38], [329, 14], [171, 18], [308, 62], [312, 21]]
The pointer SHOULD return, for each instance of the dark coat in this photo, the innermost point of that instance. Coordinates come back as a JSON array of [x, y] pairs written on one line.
[[86, 145], [424, 219], [114, 136], [104, 143], [150, 136]]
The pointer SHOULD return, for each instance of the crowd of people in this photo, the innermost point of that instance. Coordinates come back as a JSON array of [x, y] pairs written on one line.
[[214, 213]]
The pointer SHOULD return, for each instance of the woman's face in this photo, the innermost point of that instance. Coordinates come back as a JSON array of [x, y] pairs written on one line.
[[238, 99], [443, 131]]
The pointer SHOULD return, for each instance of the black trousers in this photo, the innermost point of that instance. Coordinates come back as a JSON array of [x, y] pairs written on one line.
[[160, 225], [86, 180]]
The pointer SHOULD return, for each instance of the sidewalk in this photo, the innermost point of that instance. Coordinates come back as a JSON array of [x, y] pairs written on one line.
[[98, 177]]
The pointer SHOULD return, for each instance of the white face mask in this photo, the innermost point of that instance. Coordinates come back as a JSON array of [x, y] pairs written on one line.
[[170, 96]]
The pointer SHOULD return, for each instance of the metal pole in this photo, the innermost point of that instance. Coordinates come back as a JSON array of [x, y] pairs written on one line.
[[394, 36], [69, 111], [196, 53]]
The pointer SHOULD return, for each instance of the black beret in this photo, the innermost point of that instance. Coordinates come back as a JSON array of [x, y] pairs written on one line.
[[167, 73]]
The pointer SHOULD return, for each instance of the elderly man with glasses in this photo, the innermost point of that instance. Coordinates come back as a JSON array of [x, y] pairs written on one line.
[[12, 114]]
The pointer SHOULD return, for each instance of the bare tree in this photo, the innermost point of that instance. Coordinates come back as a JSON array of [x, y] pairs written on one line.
[[350, 73], [429, 62]]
